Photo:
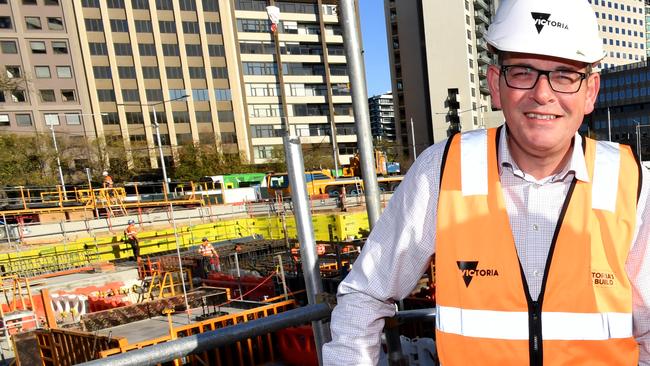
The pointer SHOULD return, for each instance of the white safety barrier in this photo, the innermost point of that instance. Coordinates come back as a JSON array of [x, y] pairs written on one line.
[[69, 307]]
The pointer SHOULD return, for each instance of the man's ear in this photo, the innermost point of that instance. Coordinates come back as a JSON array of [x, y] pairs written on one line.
[[493, 76], [593, 86]]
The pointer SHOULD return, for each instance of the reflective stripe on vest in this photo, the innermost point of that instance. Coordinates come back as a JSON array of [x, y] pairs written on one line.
[[514, 324]]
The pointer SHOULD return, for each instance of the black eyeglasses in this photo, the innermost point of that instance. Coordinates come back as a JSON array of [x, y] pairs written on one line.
[[526, 77]]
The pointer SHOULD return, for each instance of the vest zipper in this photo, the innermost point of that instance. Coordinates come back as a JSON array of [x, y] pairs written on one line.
[[535, 329]]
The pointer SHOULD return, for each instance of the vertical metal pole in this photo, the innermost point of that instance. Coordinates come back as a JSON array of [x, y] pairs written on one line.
[[58, 161], [357, 77], [415, 154], [92, 193], [609, 126], [241, 294], [308, 257], [180, 261], [160, 150], [282, 278], [638, 140]]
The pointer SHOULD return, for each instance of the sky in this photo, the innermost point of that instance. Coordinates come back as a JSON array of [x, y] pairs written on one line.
[[373, 31]]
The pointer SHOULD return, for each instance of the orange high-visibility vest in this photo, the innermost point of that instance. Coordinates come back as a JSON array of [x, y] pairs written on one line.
[[583, 315], [206, 250]]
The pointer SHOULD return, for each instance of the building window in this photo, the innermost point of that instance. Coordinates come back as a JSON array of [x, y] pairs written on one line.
[[193, 50], [23, 119], [181, 117], [106, 95], [203, 116], [134, 118], [13, 72], [59, 47], [102, 72], [122, 49], [94, 25], [200, 95], [72, 119], [197, 72], [222, 94], [18, 96], [219, 73], [164, 5], [68, 95], [42, 72], [265, 131], [206, 138], [64, 72], [150, 72], [119, 25], [33, 23], [174, 72], [130, 95], [170, 49], [225, 116], [228, 137], [118, 4], [51, 119], [5, 22], [8, 47], [98, 49], [216, 50], [154, 95], [126, 72], [90, 3], [147, 49], [54, 23], [167, 26], [4, 120], [47, 95], [212, 27], [143, 26], [51, 2], [38, 47], [29, 2], [263, 152], [210, 5], [110, 118], [140, 4], [191, 27]]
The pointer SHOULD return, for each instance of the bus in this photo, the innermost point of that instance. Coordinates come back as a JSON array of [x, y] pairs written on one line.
[[320, 183]]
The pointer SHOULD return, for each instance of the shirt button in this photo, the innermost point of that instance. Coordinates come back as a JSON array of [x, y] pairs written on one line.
[[535, 227]]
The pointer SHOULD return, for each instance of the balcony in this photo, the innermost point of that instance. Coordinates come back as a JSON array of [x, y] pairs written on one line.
[[483, 87], [481, 4], [481, 17], [481, 45], [483, 59]]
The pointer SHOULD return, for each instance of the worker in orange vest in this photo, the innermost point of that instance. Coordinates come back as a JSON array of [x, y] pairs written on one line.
[[209, 258], [131, 233], [108, 181]]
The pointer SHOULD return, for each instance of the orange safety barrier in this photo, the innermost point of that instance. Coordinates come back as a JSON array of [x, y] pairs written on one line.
[[297, 346]]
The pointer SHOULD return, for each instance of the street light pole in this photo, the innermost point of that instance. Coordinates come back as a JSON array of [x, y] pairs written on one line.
[[58, 160], [160, 150]]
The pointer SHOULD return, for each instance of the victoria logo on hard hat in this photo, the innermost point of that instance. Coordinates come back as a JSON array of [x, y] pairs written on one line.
[[469, 270], [542, 19]]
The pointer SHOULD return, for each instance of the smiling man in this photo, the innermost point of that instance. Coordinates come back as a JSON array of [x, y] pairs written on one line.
[[540, 235]]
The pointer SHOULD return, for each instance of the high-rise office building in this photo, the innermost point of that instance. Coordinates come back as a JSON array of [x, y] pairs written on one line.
[[127, 59], [622, 27], [382, 117]]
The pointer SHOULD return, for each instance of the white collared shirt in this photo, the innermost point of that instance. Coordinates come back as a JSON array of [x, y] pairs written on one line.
[[399, 249]]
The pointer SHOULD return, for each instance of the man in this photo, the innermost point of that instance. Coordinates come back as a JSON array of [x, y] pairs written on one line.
[[108, 180], [131, 233], [540, 236], [209, 258]]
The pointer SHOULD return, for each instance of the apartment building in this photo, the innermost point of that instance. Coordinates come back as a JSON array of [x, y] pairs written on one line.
[[203, 71], [382, 117], [438, 68], [39, 59]]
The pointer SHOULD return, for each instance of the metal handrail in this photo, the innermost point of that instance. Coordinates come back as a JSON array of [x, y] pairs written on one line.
[[169, 351]]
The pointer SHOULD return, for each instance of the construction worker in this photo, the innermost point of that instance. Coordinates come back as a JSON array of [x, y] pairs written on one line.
[[108, 180], [209, 258], [131, 234], [540, 235]]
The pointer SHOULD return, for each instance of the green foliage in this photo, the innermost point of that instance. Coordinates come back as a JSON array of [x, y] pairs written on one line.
[[27, 160], [196, 161]]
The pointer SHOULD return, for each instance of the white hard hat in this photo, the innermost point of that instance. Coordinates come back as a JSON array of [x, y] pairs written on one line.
[[560, 28], [105, 172]]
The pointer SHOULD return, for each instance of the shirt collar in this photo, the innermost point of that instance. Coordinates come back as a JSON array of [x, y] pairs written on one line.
[[577, 165]]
